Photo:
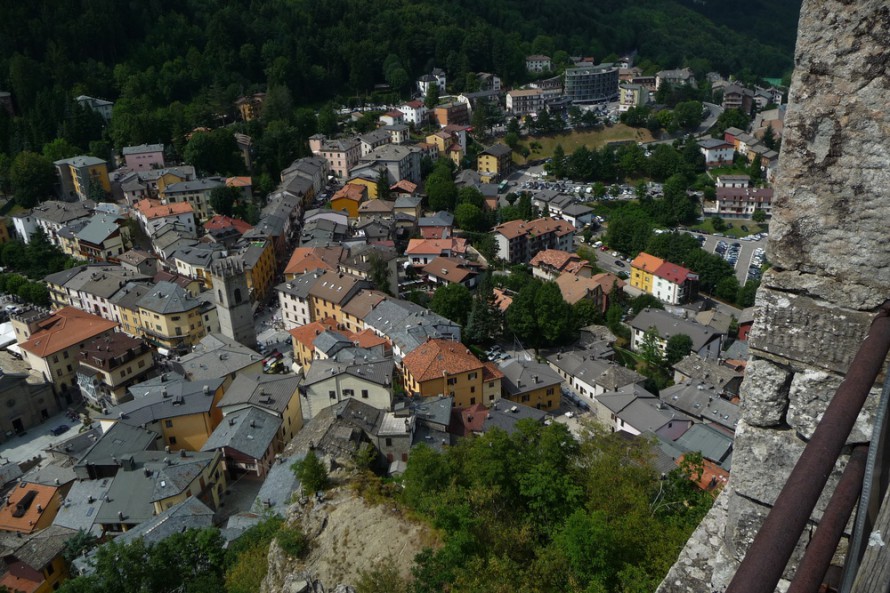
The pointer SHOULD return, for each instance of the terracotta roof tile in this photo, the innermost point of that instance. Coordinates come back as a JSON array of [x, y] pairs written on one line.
[[152, 209], [554, 258], [220, 221], [436, 358], [306, 334], [674, 273], [308, 259], [646, 262], [351, 191], [65, 328], [27, 503], [455, 245]]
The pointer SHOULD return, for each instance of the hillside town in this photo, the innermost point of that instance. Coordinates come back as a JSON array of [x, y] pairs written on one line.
[[167, 378]]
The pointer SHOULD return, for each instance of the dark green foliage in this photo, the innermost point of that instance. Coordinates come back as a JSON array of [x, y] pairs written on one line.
[[32, 178], [214, 152], [677, 348], [548, 513], [222, 199], [688, 115], [311, 472], [470, 217], [731, 118], [644, 301], [440, 189], [452, 301], [292, 541], [759, 216], [539, 316]]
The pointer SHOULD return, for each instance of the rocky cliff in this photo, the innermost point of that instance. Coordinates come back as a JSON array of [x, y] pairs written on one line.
[[831, 270]]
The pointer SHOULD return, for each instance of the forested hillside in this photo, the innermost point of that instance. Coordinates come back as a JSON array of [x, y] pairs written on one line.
[[173, 65]]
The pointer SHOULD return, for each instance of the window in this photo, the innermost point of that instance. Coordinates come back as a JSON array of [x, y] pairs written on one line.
[[550, 391], [364, 394], [472, 401], [388, 442], [525, 398], [168, 423], [55, 358], [348, 392], [65, 354], [141, 363], [491, 397], [491, 383], [172, 440], [452, 380], [69, 368], [178, 331], [472, 375], [58, 372], [332, 394], [176, 318], [472, 390]]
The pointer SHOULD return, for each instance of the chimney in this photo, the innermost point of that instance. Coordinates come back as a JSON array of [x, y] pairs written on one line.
[[182, 453], [167, 449]]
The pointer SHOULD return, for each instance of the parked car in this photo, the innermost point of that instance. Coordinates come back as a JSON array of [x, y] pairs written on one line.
[[60, 429]]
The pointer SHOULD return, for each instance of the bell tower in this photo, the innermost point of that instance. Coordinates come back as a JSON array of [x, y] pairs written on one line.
[[233, 301]]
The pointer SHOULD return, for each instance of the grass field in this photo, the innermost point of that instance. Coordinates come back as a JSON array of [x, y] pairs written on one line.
[[571, 141], [735, 231]]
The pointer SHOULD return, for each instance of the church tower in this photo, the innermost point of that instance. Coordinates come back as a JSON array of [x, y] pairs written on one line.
[[233, 301]]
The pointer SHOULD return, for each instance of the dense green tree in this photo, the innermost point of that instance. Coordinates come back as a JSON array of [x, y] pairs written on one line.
[[769, 138], [278, 104], [32, 178], [470, 217], [688, 115], [557, 165], [59, 149], [327, 120], [432, 97], [650, 350], [727, 288], [383, 187], [677, 348], [440, 189], [484, 321], [759, 216], [311, 472], [380, 273], [730, 118], [746, 294], [214, 152], [452, 301], [470, 195], [222, 199], [644, 301]]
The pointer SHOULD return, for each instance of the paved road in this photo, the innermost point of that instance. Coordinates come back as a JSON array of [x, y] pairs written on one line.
[[37, 438]]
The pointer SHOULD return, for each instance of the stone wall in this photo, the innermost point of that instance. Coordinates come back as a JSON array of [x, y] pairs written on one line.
[[830, 250]]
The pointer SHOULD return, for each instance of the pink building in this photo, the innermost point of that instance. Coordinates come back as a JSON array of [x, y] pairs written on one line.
[[144, 157]]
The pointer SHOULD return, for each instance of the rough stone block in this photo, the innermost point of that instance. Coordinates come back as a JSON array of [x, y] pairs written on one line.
[[769, 456], [799, 328], [810, 394], [764, 393], [833, 187]]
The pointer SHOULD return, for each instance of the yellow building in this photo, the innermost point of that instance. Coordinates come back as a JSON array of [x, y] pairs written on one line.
[[531, 383], [331, 291], [259, 265], [642, 270], [303, 338], [171, 318], [494, 163], [109, 365], [368, 182], [349, 198], [183, 412], [446, 368], [83, 177]]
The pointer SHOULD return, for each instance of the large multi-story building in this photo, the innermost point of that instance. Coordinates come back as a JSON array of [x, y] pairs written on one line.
[[196, 193], [398, 162], [531, 383], [525, 101], [83, 178], [592, 84], [518, 240], [108, 365], [538, 63], [446, 368], [144, 157], [173, 319], [52, 343], [342, 154], [495, 163], [742, 202], [632, 95]]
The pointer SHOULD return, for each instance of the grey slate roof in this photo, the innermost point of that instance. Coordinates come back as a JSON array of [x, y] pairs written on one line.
[[711, 443], [205, 184], [408, 325], [132, 492], [329, 342], [52, 474], [738, 350], [104, 281], [75, 446], [60, 212], [215, 356], [156, 401], [404, 201], [130, 294], [202, 254], [504, 415], [498, 150], [373, 371], [522, 376], [41, 547], [669, 325], [438, 219], [270, 392], [577, 210], [119, 440], [167, 297], [249, 431], [299, 286], [708, 371], [432, 410], [98, 229], [278, 488], [79, 509], [189, 514], [336, 431], [608, 375], [142, 148], [701, 400]]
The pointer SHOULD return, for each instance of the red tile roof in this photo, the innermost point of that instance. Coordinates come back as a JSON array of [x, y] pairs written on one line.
[[351, 191], [239, 182], [220, 221], [555, 258], [435, 359], [308, 259], [29, 501], [65, 328], [674, 273], [436, 246], [468, 420], [306, 334], [152, 209]]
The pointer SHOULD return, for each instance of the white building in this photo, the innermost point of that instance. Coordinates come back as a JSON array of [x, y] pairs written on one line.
[[415, 112], [293, 297], [328, 382], [538, 63]]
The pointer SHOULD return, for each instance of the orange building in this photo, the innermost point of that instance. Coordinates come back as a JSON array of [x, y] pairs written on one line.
[[443, 367], [349, 198], [31, 507]]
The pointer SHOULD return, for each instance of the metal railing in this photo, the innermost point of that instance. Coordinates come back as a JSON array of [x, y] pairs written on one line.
[[768, 555]]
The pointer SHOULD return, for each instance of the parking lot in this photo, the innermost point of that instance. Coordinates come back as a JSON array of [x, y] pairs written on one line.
[[741, 254]]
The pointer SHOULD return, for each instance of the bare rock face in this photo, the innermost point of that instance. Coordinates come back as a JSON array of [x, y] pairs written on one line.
[[831, 271], [764, 393]]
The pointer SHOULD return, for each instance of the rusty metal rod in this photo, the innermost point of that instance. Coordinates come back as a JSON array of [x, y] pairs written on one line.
[[812, 568], [765, 561]]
